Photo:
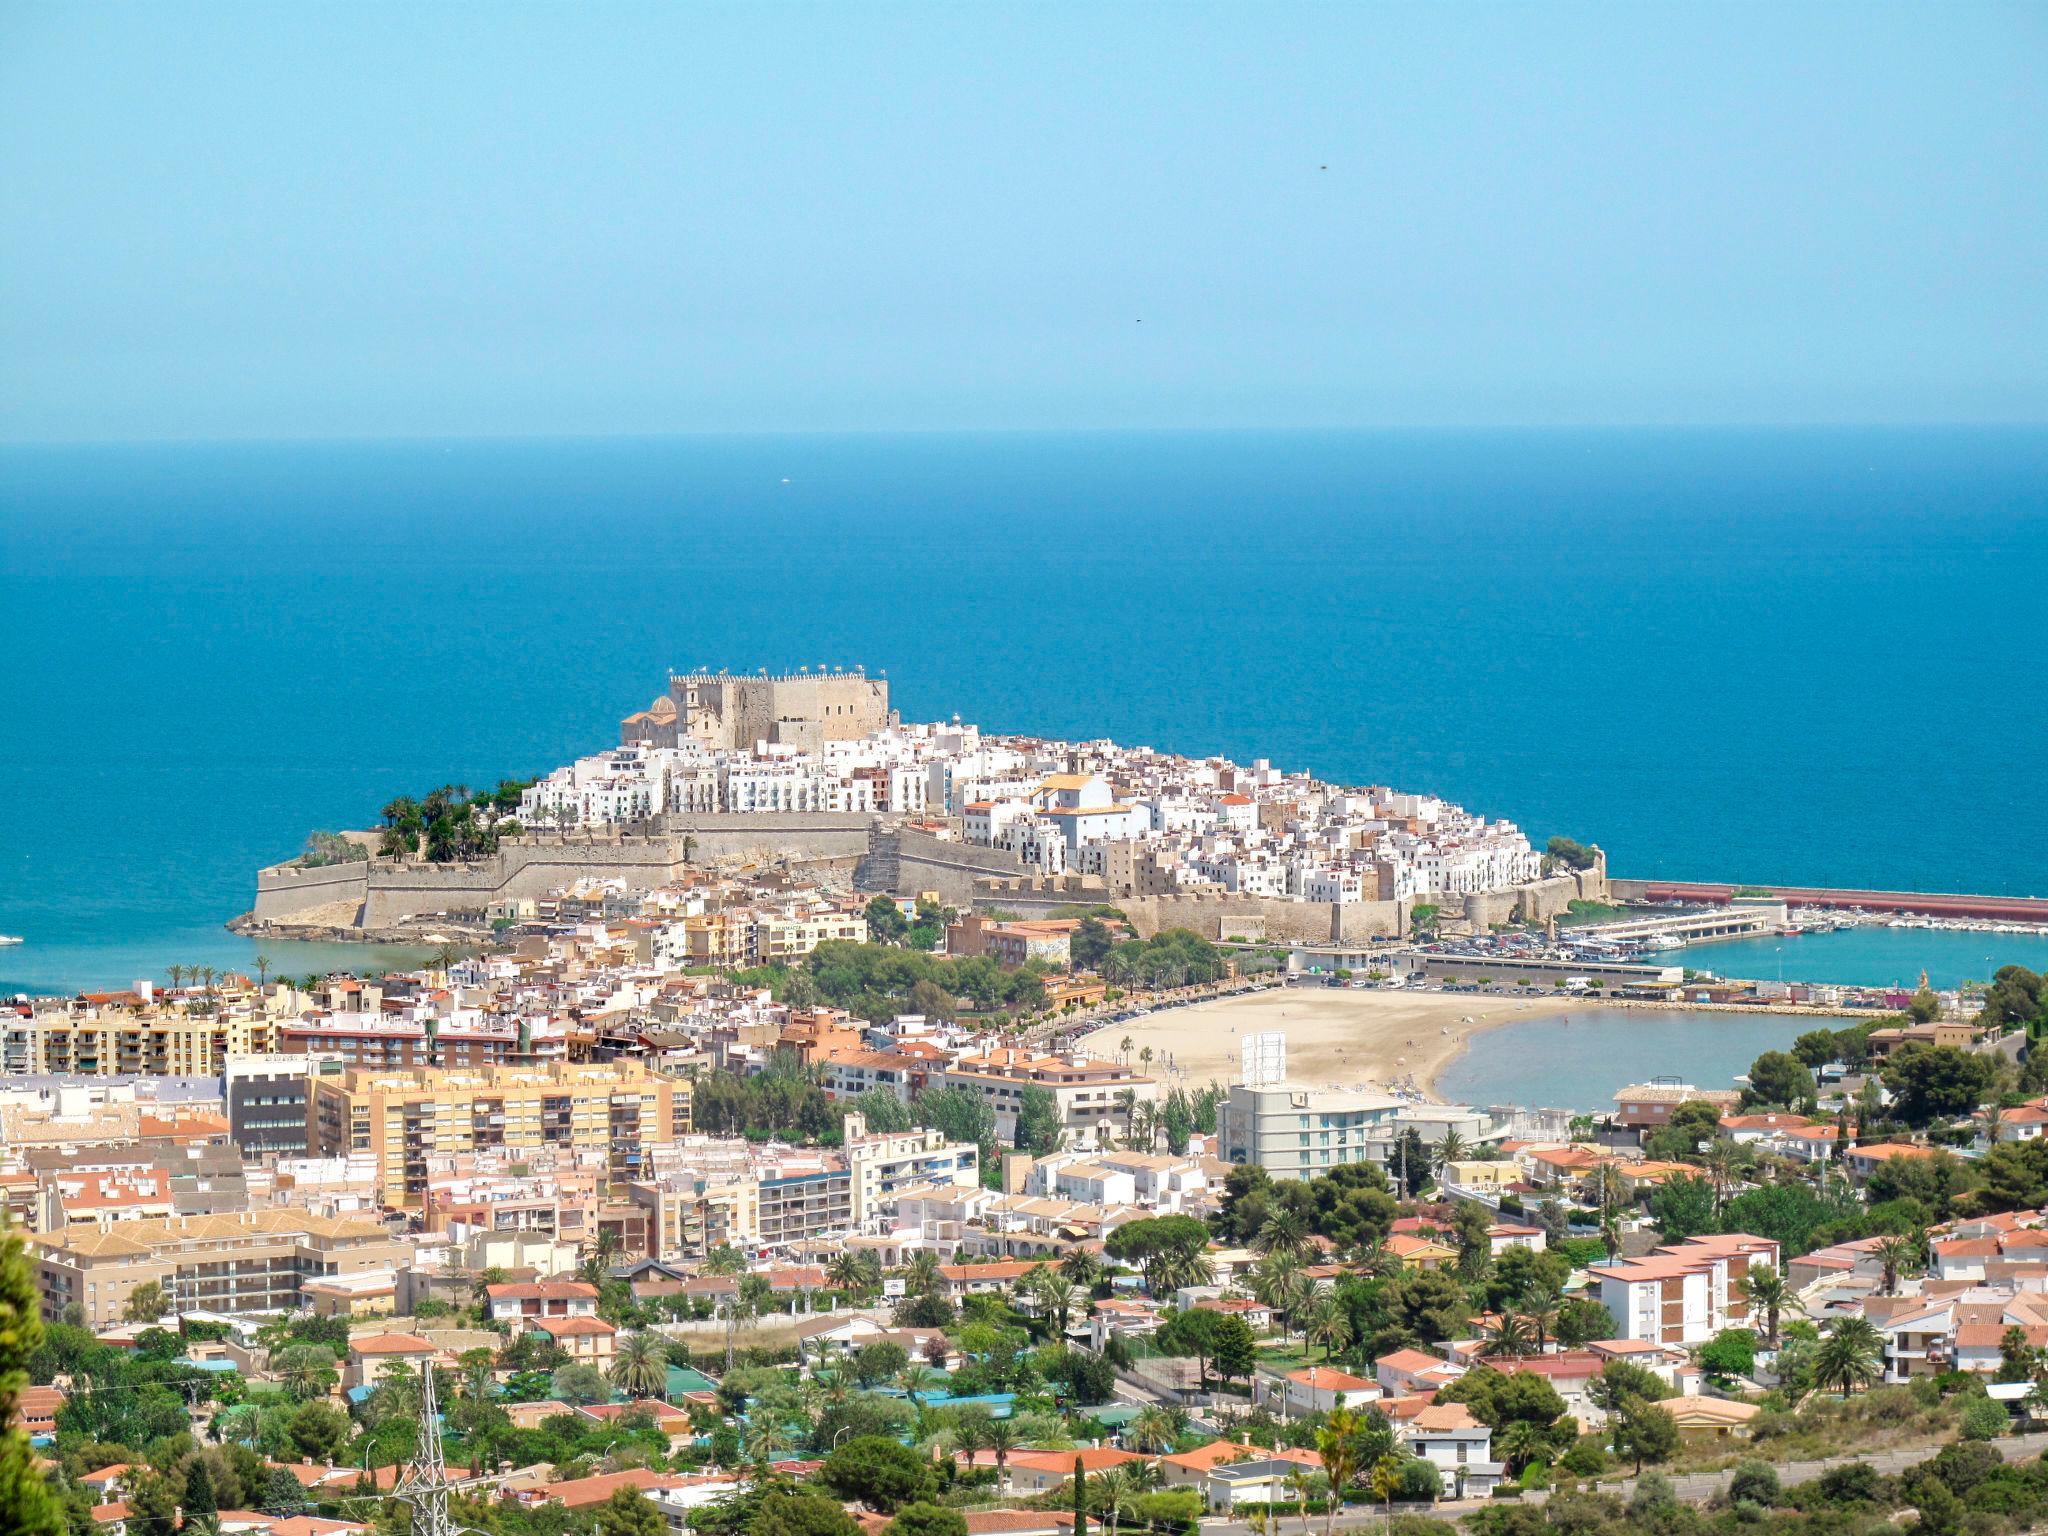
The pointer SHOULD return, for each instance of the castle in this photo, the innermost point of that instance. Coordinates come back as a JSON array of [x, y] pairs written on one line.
[[803, 710]]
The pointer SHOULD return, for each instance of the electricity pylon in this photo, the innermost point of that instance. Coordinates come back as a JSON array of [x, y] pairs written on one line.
[[425, 1486]]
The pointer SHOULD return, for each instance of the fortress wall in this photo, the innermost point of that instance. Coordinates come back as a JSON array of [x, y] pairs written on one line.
[[1212, 915], [769, 835], [922, 862], [285, 890], [531, 865]]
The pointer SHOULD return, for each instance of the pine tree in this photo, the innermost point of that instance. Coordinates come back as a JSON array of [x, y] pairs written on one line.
[[28, 1506], [1080, 1499]]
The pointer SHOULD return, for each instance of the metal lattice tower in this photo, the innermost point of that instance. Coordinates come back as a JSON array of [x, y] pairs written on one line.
[[425, 1487]]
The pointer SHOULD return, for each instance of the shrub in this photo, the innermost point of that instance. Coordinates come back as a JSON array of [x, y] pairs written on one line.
[[1536, 1475], [1855, 1483], [1421, 1482], [1754, 1482], [1982, 1419], [1586, 1459]]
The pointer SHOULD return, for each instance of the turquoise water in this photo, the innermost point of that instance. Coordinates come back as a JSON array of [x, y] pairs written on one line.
[[1731, 655], [1869, 956], [1578, 1060]]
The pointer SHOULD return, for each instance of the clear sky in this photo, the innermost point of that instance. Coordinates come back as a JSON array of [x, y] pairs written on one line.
[[297, 219]]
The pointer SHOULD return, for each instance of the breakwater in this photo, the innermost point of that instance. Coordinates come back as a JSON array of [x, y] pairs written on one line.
[[2025, 909]]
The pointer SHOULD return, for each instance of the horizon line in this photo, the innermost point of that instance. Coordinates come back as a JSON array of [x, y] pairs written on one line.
[[342, 439]]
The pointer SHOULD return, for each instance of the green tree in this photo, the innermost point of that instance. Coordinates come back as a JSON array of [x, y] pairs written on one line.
[[1931, 1082], [1754, 1482], [579, 1383], [152, 1508], [1236, 1349], [927, 1520], [1038, 1121], [146, 1303], [1683, 1207], [27, 1505], [1567, 853], [1581, 1320], [1090, 944], [1646, 1432], [880, 1473], [629, 1512], [1731, 1352], [1778, 1077], [283, 1494], [199, 1502], [786, 1512], [886, 920], [318, 1430], [1983, 1419]]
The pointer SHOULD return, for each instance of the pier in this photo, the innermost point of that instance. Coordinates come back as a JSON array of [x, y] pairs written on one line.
[[2012, 909]]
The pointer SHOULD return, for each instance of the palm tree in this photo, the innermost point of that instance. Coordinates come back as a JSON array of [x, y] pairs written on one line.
[[766, 1436], [1297, 1297], [923, 1267], [1337, 1444], [1082, 1267], [1510, 1338], [1284, 1232], [1449, 1150], [176, 973], [1124, 1049], [1057, 1297], [1115, 1491], [1764, 1287], [1386, 1482], [640, 1368], [848, 1270], [1373, 1258], [1523, 1441], [1539, 1310], [1849, 1356], [1299, 1484], [1720, 1161], [725, 1260], [1157, 1429], [1002, 1439], [1328, 1324], [262, 972], [1896, 1256]]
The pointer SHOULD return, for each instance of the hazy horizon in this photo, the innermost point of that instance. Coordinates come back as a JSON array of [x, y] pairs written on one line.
[[243, 222]]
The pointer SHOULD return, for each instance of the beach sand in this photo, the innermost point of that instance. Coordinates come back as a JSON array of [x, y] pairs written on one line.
[[1334, 1035]]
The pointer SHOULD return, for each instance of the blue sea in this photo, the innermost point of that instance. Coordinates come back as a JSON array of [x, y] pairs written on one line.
[[1578, 1060], [1800, 656]]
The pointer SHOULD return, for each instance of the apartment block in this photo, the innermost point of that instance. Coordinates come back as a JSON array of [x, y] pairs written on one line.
[[406, 1116], [1683, 1293], [252, 1261]]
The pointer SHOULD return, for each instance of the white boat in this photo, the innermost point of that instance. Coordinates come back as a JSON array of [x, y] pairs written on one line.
[[10, 938]]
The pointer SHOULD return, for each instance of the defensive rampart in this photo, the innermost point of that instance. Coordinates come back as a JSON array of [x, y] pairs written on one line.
[[387, 891]]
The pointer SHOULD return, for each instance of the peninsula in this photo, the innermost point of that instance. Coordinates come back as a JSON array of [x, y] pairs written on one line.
[[814, 769]]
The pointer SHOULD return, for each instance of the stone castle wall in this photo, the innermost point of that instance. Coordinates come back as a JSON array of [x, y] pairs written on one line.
[[1213, 915], [388, 891]]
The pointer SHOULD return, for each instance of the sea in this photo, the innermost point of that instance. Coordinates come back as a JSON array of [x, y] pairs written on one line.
[[1578, 1060], [1808, 656]]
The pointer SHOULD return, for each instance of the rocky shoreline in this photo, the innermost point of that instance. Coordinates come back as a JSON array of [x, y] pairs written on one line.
[[440, 930]]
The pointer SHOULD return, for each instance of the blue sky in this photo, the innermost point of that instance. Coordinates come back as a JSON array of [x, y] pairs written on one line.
[[290, 220]]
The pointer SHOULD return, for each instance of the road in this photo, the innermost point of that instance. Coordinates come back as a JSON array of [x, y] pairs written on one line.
[[1693, 1488]]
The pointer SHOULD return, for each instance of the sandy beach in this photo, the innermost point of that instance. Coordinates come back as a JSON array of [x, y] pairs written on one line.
[[1334, 1035]]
